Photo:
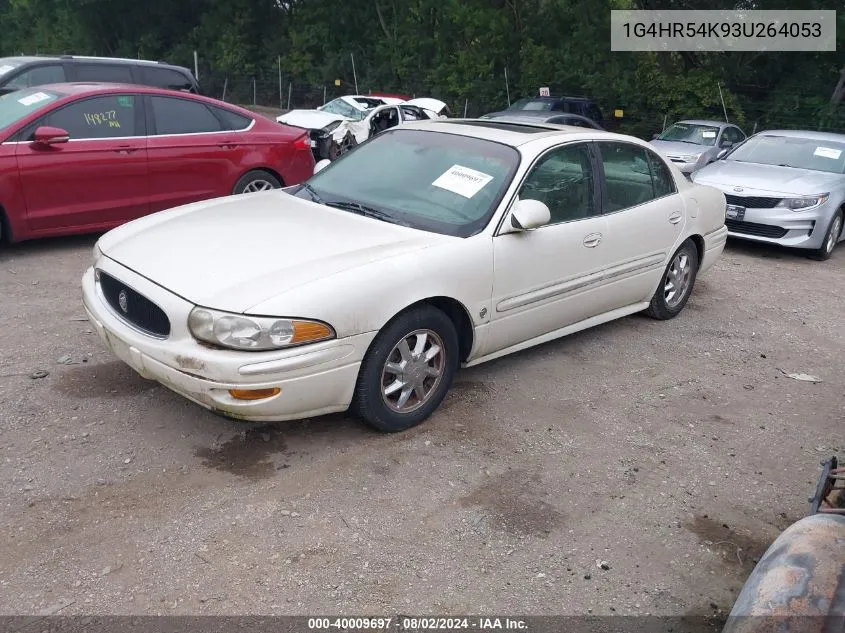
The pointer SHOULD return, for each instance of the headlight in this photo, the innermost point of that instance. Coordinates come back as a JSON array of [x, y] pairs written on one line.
[[800, 204], [331, 127], [237, 331]]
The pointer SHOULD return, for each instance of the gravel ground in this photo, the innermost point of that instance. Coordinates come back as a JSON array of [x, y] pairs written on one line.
[[673, 451]]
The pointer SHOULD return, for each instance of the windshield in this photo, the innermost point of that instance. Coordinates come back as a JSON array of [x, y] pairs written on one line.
[[790, 151], [691, 133], [8, 64], [531, 104], [16, 106], [433, 181], [341, 107]]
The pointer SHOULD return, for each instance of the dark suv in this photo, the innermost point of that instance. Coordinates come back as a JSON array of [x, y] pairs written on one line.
[[582, 106], [27, 72]]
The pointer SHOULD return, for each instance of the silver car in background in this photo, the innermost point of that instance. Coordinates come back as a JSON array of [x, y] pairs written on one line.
[[693, 144], [784, 187]]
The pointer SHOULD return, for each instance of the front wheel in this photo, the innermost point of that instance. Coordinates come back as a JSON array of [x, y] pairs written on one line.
[[254, 181], [834, 230], [407, 371], [676, 285]]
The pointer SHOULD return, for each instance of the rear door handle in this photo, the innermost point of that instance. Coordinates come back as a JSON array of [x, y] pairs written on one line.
[[592, 240], [227, 145], [675, 217]]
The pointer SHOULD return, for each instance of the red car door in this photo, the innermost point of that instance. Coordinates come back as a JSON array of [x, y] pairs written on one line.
[[191, 155], [98, 179]]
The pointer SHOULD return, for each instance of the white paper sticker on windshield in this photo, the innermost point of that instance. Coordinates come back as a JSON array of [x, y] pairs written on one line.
[[706, 134], [34, 98], [463, 181], [5, 69], [828, 152]]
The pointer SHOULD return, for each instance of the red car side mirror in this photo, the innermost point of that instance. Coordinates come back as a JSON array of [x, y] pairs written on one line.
[[46, 135]]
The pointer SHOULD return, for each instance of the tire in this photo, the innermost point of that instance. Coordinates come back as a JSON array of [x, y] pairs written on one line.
[[383, 412], [682, 267], [256, 180], [336, 150], [831, 237]]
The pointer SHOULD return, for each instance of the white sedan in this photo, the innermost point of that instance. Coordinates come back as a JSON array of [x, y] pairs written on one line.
[[435, 245]]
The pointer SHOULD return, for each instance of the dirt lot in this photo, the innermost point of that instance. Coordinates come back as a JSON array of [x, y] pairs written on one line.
[[673, 451]]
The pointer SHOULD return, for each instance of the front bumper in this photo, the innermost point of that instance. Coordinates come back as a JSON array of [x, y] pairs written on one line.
[[314, 379], [801, 229]]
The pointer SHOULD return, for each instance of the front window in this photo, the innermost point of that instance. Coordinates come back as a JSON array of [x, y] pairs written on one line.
[[443, 183], [342, 108], [790, 151], [532, 104], [691, 133], [18, 105]]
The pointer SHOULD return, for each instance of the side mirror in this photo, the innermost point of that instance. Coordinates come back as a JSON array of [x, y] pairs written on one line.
[[528, 215], [46, 135], [321, 165], [722, 154], [655, 136]]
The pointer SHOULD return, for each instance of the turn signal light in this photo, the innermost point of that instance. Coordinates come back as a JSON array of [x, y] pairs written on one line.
[[254, 394], [308, 331]]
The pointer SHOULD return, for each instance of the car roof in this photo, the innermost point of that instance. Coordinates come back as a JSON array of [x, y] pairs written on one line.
[[509, 132], [705, 122], [77, 88], [26, 59], [528, 115], [807, 134]]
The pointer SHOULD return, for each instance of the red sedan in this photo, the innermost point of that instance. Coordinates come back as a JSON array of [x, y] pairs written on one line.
[[79, 158]]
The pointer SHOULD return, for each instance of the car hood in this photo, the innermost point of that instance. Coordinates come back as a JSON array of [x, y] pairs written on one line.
[[677, 148], [756, 178], [309, 119], [236, 252]]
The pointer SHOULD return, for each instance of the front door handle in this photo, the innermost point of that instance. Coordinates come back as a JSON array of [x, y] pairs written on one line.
[[675, 217], [125, 149], [592, 240]]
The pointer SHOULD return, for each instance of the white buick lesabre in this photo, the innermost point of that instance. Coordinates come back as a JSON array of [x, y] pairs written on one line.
[[433, 245]]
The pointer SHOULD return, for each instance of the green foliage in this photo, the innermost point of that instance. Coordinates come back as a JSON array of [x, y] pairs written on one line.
[[457, 50]]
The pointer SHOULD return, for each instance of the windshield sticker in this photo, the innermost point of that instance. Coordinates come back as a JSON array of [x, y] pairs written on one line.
[[5, 69], [828, 152], [463, 181], [710, 134], [34, 98]]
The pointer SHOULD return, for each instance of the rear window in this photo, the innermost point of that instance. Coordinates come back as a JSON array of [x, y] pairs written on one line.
[[233, 120], [166, 78], [18, 105]]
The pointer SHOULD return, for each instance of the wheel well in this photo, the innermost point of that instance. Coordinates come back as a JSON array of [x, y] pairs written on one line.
[[699, 246], [5, 228], [457, 313], [272, 172]]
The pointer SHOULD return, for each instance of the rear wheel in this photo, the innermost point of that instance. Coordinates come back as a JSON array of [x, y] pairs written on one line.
[[407, 371], [676, 285], [254, 181], [834, 230]]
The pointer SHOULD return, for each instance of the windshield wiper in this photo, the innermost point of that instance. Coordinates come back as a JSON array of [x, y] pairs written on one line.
[[369, 212], [311, 192]]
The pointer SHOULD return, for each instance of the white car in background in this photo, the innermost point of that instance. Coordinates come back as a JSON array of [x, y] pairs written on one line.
[[343, 123], [438, 244]]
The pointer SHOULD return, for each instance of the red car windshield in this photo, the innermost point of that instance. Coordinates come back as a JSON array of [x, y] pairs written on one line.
[[17, 105]]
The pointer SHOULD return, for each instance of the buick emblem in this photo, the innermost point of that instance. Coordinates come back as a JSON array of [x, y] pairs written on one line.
[[123, 302], [738, 189]]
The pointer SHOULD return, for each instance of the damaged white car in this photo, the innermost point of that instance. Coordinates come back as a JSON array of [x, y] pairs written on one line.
[[343, 123]]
